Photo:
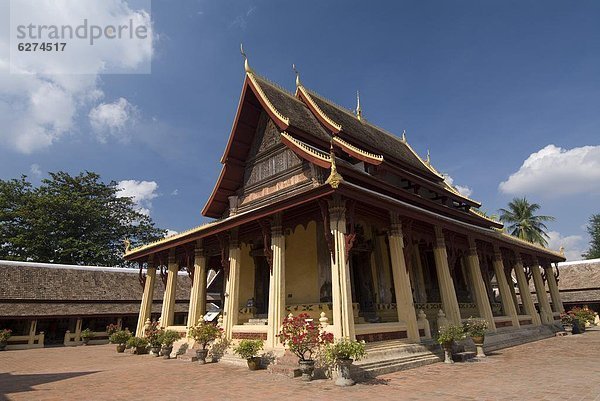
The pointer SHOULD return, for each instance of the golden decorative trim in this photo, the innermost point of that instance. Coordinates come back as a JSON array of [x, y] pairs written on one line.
[[337, 127], [334, 178], [319, 154], [264, 97], [376, 158], [527, 243], [358, 109], [480, 214]]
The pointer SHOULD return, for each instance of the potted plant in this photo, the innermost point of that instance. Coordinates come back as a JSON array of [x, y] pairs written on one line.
[[248, 349], [304, 338], [446, 338], [167, 338], [475, 328], [4, 336], [120, 337], [86, 336], [218, 348], [204, 333], [341, 355], [581, 317], [112, 328], [566, 321], [152, 333], [139, 344]]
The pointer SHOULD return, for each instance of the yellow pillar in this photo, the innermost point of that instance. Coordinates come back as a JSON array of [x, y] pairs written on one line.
[[147, 297], [557, 305], [511, 287], [230, 317], [343, 317], [78, 325], [540, 290], [168, 306], [276, 284], [32, 330], [198, 292], [479, 290], [446, 284], [507, 302], [526, 299], [402, 288]]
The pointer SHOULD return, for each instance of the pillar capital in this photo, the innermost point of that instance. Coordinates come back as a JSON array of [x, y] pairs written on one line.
[[276, 228], [518, 258], [233, 238], [395, 224], [440, 240], [497, 252], [172, 257], [472, 246], [337, 208]]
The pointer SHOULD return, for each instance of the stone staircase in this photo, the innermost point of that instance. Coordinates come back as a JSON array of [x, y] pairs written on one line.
[[392, 356]]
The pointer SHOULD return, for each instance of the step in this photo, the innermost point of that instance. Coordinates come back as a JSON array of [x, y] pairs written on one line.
[[463, 356], [188, 356], [286, 365]]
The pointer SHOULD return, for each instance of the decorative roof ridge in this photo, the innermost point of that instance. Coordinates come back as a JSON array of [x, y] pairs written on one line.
[[277, 86], [426, 164], [522, 241], [318, 153], [331, 102], [174, 236], [266, 99], [482, 215], [358, 150], [321, 113]]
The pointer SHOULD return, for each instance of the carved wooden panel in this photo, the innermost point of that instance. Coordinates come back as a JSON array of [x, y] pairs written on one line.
[[278, 162]]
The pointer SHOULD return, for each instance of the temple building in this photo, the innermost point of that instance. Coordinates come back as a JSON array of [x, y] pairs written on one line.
[[318, 210]]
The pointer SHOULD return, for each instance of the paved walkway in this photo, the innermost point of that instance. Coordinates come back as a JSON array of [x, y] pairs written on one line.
[[558, 368]]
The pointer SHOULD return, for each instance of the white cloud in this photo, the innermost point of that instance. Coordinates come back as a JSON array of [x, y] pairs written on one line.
[[35, 170], [142, 193], [113, 119], [553, 172], [574, 245], [175, 192], [170, 232], [39, 108], [463, 190]]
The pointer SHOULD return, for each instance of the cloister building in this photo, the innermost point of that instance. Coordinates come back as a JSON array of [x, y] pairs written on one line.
[[318, 210]]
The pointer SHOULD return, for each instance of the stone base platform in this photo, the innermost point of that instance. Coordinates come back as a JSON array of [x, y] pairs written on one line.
[[505, 338]]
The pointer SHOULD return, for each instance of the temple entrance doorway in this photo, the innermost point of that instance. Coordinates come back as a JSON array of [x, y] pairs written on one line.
[[362, 283], [262, 276]]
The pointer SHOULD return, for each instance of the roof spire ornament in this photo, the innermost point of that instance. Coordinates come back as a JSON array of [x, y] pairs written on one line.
[[404, 136], [428, 157], [358, 109], [334, 178], [298, 83], [246, 65], [562, 250]]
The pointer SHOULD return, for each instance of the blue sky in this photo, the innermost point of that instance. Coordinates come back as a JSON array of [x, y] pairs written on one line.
[[483, 85]]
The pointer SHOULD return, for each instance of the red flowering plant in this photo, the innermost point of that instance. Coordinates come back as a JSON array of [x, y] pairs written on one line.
[[112, 328], [152, 333], [302, 336]]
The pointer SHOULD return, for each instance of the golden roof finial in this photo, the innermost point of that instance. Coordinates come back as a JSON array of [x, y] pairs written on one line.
[[403, 135], [334, 178], [127, 243], [298, 83], [562, 250], [246, 65], [428, 157], [358, 109]]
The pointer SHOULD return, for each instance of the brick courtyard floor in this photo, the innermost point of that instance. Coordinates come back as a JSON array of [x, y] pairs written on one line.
[[558, 368]]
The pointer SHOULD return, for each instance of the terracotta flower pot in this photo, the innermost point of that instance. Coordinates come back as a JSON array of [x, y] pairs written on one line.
[[253, 363], [120, 348]]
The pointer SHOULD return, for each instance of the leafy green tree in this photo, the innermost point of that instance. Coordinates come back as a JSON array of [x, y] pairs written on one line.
[[593, 229], [69, 219], [523, 223]]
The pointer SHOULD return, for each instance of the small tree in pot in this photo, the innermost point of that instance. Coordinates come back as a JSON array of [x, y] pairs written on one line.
[[120, 338], [167, 338], [475, 328], [248, 349], [139, 344], [86, 336], [152, 333], [341, 355], [446, 338], [204, 333], [304, 338], [218, 348], [4, 336]]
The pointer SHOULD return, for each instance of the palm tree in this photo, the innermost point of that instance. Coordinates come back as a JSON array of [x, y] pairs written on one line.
[[523, 223]]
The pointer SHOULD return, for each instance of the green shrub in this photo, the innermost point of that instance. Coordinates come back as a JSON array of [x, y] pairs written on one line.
[[87, 333], [168, 337], [137, 342], [345, 349], [205, 333], [248, 348], [120, 337], [451, 333], [475, 327]]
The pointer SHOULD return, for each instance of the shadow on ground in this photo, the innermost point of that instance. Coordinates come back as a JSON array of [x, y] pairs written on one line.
[[15, 383]]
